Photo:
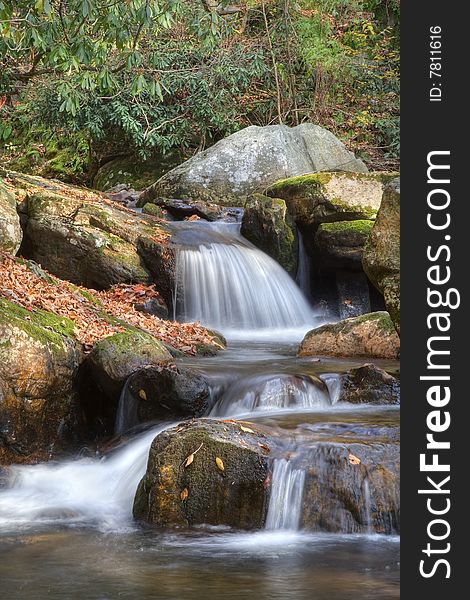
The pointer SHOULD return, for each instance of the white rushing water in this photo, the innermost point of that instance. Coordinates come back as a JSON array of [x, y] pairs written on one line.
[[285, 501], [232, 286], [260, 393], [97, 491]]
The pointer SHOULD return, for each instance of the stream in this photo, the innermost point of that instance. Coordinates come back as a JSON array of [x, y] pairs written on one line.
[[66, 528]]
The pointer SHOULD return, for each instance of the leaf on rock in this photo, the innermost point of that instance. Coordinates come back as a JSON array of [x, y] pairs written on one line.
[[219, 463], [189, 459], [354, 460], [184, 494], [264, 447], [142, 394], [246, 429]]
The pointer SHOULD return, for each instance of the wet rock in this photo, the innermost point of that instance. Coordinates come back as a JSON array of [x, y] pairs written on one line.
[[124, 195], [369, 385], [181, 209], [381, 258], [228, 491], [10, 229], [353, 293], [116, 357], [326, 197], [343, 494], [250, 160], [372, 335], [165, 392], [267, 225], [39, 360], [154, 306], [339, 245]]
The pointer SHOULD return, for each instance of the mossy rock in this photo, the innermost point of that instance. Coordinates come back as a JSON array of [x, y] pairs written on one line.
[[326, 197], [267, 225], [339, 245], [224, 483], [10, 229], [153, 210], [381, 259], [370, 335], [134, 172], [39, 360], [114, 358]]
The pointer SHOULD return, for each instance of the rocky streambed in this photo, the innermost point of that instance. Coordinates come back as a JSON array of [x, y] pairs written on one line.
[[250, 445]]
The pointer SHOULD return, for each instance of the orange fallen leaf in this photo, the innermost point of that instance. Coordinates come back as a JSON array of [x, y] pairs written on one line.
[[184, 494], [189, 459], [354, 460]]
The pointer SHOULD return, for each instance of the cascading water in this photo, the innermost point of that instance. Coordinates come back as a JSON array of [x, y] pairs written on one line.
[[333, 383], [272, 392], [98, 491], [126, 414], [302, 277], [230, 285], [285, 502]]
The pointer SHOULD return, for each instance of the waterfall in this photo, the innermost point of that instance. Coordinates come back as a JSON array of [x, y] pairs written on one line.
[[271, 392], [98, 491], [333, 383], [228, 284], [367, 507], [285, 501], [302, 277], [126, 414]]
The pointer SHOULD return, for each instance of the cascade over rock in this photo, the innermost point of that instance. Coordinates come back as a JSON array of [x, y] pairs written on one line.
[[229, 285]]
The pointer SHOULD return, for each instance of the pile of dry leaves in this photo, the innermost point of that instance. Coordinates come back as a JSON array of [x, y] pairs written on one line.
[[91, 310]]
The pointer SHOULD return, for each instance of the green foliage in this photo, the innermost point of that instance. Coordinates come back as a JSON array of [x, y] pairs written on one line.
[[35, 148], [203, 95], [149, 76]]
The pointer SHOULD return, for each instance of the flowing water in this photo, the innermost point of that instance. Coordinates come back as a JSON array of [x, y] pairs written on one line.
[[66, 529], [228, 284]]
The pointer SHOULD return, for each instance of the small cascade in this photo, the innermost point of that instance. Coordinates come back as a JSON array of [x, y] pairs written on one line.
[[98, 491], [302, 277], [367, 519], [228, 284], [333, 383], [285, 501], [126, 414], [271, 392]]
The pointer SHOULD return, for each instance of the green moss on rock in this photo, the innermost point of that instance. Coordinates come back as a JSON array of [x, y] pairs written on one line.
[[42, 326], [234, 495], [361, 226]]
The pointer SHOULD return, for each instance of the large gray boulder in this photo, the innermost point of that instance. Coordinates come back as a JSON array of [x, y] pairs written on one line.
[[252, 159], [10, 230]]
